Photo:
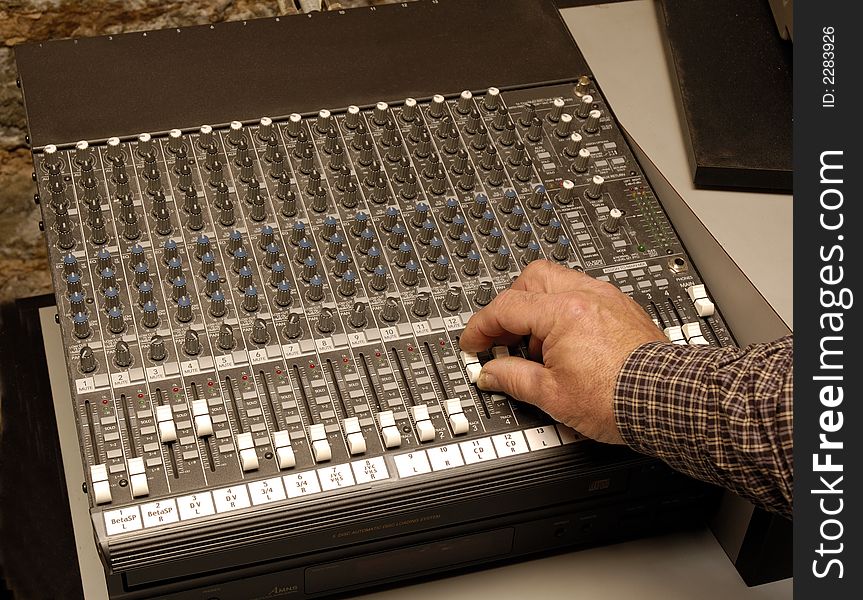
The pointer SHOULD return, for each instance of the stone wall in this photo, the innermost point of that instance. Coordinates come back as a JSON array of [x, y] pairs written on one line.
[[23, 264]]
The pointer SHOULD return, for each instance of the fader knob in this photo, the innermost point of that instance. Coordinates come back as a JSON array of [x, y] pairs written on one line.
[[326, 322], [284, 296], [116, 324], [359, 316], [422, 303], [157, 350], [483, 293], [294, 327], [452, 300], [260, 335], [390, 310], [151, 315], [289, 199], [226, 337], [192, 343], [217, 304], [81, 326], [184, 309], [87, 360], [612, 223], [122, 354], [359, 223]]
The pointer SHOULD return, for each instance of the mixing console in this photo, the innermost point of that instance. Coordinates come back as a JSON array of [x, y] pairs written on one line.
[[266, 313]]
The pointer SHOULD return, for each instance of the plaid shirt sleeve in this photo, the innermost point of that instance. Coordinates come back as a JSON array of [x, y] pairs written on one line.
[[723, 415]]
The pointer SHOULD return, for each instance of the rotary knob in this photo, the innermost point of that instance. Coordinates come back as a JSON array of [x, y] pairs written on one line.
[[464, 244], [573, 145], [348, 284], [179, 288], [217, 304], [367, 240], [561, 249], [335, 245], [471, 263], [582, 160], [456, 228], [341, 264], [284, 296], [524, 235], [564, 126], [593, 119], [567, 192], [422, 304], [390, 218], [260, 335], [359, 223], [612, 223], [494, 240], [81, 326], [145, 293], [241, 259], [484, 293], [427, 233], [112, 298], [438, 186], [272, 255], [169, 251], [226, 337], [87, 360], [184, 309], [316, 289], [359, 316], [487, 223], [212, 284], [70, 264], [116, 323], [379, 278], [157, 351], [450, 210], [437, 107], [452, 300], [73, 284], [390, 310], [516, 218], [208, 264], [289, 199], [151, 315], [298, 232], [192, 343], [326, 321], [403, 254], [77, 303], [294, 327], [491, 100], [235, 242], [546, 212], [501, 260], [584, 106], [594, 190], [479, 206], [434, 250], [250, 299], [373, 259], [107, 279], [258, 212], [410, 276], [553, 231], [441, 269], [396, 237], [122, 354]]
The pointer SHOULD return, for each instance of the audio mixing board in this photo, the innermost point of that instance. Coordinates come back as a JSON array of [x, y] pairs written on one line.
[[262, 316]]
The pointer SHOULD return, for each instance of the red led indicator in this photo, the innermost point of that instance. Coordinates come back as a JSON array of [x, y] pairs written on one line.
[[210, 384], [410, 348], [104, 401], [311, 366], [245, 377], [140, 395], [377, 353], [345, 359], [278, 371], [176, 389], [442, 343]]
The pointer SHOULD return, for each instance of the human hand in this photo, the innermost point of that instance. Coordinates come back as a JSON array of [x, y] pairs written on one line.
[[580, 328]]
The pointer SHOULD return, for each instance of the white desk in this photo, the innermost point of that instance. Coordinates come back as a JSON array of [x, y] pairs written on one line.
[[623, 45]]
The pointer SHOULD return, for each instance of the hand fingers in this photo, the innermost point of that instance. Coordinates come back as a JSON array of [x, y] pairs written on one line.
[[511, 312], [522, 379], [551, 278]]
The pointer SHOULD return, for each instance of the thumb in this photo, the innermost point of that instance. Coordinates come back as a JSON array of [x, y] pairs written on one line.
[[522, 379]]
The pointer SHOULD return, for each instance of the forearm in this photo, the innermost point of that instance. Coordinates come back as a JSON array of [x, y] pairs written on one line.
[[720, 415]]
